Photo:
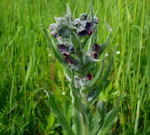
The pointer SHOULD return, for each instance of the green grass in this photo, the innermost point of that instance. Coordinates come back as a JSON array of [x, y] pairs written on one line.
[[28, 69]]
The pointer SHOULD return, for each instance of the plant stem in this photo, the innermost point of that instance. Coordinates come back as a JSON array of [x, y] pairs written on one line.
[[84, 124]]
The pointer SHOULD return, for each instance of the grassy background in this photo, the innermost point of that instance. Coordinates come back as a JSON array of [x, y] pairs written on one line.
[[28, 69]]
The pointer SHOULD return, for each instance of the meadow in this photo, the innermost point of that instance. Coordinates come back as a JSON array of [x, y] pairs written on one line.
[[28, 69]]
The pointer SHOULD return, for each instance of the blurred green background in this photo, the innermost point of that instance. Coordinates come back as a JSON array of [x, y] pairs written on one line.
[[28, 69]]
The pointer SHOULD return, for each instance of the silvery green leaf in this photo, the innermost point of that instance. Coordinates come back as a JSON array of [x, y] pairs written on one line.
[[56, 53], [109, 120], [61, 20], [56, 110], [81, 26], [53, 26], [91, 14], [76, 67], [101, 108], [94, 93], [75, 41], [95, 20], [97, 76], [76, 22], [77, 124], [77, 80], [68, 13], [99, 117], [93, 59], [63, 31], [91, 95], [103, 81], [67, 74]]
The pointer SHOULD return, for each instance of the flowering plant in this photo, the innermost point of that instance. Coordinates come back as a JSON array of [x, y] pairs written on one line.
[[74, 44]]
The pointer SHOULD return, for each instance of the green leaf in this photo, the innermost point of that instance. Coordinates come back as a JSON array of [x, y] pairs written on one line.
[[104, 80], [99, 73], [98, 117], [104, 45], [68, 10], [77, 124], [101, 108], [109, 120], [54, 49], [50, 121], [56, 110], [76, 42], [67, 73]]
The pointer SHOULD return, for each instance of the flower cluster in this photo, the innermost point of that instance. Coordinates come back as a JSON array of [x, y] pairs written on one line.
[[84, 25], [70, 35]]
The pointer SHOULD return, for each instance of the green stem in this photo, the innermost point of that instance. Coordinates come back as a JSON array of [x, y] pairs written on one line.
[[84, 124]]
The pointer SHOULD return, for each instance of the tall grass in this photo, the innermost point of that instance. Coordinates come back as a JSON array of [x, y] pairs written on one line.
[[28, 69]]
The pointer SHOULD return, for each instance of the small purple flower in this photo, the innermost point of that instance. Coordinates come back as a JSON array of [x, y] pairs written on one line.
[[87, 29], [96, 48], [69, 60], [88, 25], [90, 32], [64, 50], [96, 51], [89, 76], [83, 33], [62, 47], [95, 55], [54, 34]]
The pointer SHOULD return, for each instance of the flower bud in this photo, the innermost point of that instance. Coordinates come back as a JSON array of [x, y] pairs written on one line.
[[83, 17], [83, 33], [89, 76], [96, 20], [88, 25], [96, 48], [94, 55], [90, 32], [69, 60], [64, 50]]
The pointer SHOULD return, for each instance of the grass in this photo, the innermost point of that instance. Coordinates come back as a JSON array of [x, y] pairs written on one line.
[[28, 69]]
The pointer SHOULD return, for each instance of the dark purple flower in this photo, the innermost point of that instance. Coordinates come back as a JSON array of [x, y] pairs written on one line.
[[90, 32], [88, 25], [64, 50], [96, 51], [83, 33], [96, 48], [89, 76], [54, 34], [69, 60], [95, 55]]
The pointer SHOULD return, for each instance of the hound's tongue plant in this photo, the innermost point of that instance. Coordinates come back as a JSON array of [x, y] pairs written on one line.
[[74, 44]]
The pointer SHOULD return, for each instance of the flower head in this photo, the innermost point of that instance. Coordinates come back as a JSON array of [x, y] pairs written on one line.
[[89, 76], [96, 48], [69, 60]]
